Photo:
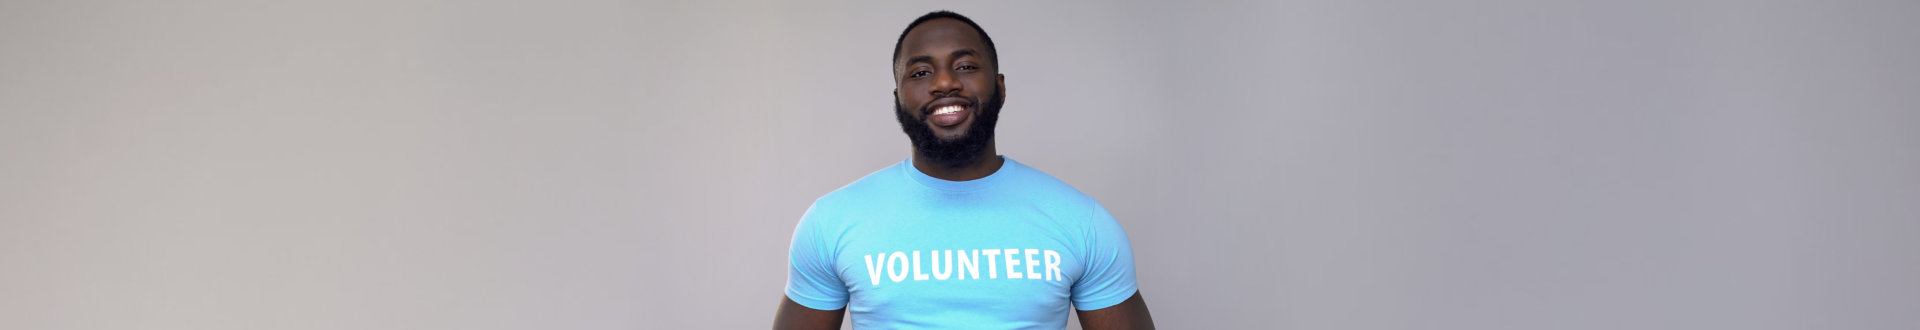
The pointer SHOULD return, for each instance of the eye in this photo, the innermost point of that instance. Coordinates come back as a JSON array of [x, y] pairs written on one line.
[[917, 74], [968, 67]]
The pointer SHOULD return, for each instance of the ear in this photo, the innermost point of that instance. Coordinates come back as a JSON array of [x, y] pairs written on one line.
[[1000, 81]]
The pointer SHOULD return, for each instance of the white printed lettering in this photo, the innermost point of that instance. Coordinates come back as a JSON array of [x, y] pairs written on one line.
[[873, 270], [992, 270], [897, 274], [903, 266], [936, 264], [1053, 266], [972, 265], [1029, 258], [917, 276], [1011, 272]]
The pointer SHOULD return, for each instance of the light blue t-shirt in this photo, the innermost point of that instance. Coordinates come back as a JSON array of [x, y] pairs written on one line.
[[903, 250]]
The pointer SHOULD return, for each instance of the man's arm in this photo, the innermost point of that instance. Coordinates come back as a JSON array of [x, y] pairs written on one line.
[[1128, 315], [792, 315]]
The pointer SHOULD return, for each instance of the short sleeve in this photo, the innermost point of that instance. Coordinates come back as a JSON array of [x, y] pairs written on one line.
[[1108, 279], [811, 279]]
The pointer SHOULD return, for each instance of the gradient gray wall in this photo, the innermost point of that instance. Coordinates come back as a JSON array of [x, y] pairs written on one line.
[[1284, 165]]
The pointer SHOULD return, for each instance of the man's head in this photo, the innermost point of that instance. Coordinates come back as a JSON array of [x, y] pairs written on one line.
[[947, 88]]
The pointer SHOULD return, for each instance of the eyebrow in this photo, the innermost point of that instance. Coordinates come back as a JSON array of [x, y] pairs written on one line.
[[927, 58]]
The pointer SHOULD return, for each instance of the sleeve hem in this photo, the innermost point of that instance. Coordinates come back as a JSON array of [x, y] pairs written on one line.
[[825, 305], [1104, 303]]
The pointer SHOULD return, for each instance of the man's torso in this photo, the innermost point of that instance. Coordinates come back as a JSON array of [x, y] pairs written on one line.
[[1004, 251]]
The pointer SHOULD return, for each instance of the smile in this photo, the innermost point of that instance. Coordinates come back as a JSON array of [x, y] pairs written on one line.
[[948, 116]]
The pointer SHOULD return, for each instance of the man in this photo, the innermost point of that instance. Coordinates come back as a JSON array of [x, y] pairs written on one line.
[[957, 237]]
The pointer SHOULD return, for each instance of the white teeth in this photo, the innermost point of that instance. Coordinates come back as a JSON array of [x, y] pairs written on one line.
[[947, 110]]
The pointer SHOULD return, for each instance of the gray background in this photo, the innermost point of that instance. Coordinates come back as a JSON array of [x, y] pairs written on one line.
[[1291, 165]]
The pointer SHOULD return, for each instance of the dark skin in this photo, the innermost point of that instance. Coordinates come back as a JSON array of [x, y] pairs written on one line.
[[945, 61], [942, 62]]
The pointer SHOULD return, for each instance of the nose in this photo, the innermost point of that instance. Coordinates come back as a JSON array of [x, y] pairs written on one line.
[[945, 83]]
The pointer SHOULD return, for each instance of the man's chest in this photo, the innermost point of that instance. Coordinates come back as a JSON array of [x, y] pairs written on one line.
[[1021, 264]]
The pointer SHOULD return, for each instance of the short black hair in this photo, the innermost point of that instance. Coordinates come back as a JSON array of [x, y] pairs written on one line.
[[993, 55]]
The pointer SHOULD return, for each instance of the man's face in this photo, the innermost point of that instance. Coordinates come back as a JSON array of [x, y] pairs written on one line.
[[941, 79]]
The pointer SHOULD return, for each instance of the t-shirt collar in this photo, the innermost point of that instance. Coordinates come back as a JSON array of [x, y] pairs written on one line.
[[957, 186]]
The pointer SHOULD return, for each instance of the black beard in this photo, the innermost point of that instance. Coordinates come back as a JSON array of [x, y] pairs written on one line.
[[959, 151]]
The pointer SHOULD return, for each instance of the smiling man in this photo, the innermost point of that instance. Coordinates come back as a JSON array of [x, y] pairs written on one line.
[[957, 236]]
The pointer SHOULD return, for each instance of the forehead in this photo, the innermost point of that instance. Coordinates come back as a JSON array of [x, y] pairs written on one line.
[[938, 38]]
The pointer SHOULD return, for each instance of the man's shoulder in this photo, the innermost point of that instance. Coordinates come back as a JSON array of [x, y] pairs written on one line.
[[1051, 195], [879, 184], [1040, 185]]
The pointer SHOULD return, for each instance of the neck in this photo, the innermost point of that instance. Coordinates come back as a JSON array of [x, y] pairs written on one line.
[[985, 164]]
